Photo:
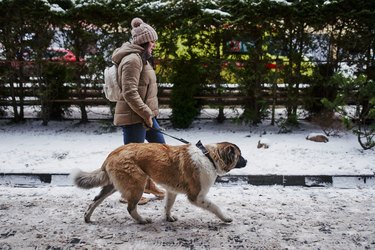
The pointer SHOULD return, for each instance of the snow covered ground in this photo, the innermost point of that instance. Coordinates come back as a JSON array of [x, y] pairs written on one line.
[[268, 217], [63, 146], [264, 217]]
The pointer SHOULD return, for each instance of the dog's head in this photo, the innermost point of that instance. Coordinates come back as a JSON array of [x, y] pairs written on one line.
[[227, 156]]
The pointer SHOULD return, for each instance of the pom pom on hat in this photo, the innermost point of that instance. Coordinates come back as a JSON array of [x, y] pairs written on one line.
[[142, 32], [136, 22]]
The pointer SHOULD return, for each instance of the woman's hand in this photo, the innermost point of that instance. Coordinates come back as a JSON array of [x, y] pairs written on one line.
[[149, 122]]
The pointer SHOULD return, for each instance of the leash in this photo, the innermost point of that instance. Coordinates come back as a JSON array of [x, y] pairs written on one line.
[[198, 144], [161, 131]]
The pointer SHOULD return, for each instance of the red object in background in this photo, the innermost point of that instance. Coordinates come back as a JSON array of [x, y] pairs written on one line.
[[271, 66], [234, 46], [58, 54]]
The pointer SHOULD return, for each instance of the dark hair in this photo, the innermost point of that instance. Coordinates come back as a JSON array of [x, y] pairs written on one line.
[[146, 57]]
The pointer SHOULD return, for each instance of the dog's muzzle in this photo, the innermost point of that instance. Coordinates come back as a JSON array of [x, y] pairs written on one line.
[[241, 163]]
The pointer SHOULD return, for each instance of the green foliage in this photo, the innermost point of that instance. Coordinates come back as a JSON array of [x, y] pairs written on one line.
[[360, 93], [285, 126], [188, 78], [25, 25], [194, 33], [24, 32], [323, 85], [55, 75], [251, 79]]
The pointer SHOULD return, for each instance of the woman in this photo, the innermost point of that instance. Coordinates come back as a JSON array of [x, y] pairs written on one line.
[[139, 106]]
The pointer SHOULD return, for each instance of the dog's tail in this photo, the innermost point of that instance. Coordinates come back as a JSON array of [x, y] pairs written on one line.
[[89, 180]]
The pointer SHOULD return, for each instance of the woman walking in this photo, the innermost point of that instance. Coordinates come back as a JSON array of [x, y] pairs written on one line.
[[138, 107]]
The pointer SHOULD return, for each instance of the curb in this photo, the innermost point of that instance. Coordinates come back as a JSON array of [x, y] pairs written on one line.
[[339, 181]]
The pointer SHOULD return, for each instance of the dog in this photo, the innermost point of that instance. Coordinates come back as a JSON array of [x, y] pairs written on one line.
[[184, 169]]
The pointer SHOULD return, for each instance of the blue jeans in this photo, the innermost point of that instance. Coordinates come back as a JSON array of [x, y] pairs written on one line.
[[137, 133]]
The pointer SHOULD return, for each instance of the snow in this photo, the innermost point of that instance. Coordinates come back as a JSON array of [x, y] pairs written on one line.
[[340, 216], [154, 5], [283, 2], [61, 147], [272, 217], [56, 8], [216, 12]]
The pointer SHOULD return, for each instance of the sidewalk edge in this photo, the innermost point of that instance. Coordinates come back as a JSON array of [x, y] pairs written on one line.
[[342, 181]]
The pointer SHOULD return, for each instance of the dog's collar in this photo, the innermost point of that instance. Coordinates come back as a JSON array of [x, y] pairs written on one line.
[[205, 152]]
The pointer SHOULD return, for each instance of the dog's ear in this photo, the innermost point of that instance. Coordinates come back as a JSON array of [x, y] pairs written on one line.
[[230, 154], [231, 150]]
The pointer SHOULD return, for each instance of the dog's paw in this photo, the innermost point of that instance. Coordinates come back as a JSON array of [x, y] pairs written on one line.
[[171, 218], [145, 221], [227, 220]]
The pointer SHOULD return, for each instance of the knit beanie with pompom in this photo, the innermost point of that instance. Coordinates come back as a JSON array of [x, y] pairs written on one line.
[[142, 32]]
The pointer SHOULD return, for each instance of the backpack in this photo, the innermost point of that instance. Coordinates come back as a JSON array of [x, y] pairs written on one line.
[[112, 87]]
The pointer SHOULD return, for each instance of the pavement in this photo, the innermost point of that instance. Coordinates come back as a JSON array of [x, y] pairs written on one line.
[[264, 217], [338, 181]]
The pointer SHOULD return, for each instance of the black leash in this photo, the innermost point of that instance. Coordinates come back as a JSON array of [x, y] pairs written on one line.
[[198, 144], [161, 131]]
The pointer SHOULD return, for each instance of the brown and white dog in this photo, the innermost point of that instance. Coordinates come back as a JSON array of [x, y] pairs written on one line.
[[179, 169]]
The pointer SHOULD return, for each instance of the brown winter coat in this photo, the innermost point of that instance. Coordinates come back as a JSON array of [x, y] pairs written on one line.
[[139, 88]]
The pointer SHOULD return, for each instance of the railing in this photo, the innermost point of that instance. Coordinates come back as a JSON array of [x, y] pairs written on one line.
[[29, 91], [92, 95]]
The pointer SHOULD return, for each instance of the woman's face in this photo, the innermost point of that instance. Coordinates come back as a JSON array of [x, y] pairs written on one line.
[[151, 46]]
